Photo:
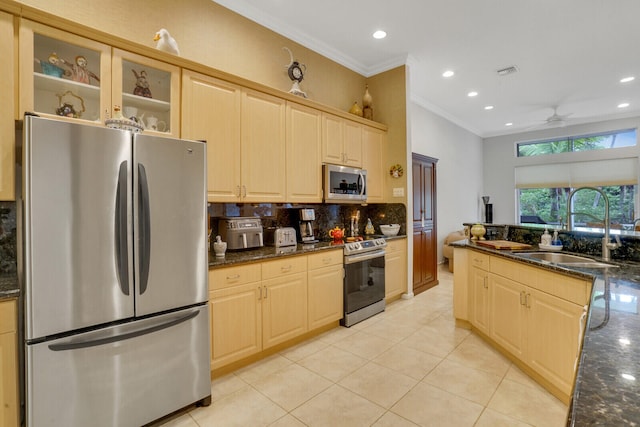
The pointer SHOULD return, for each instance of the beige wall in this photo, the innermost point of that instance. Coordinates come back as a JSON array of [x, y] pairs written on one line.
[[217, 37]]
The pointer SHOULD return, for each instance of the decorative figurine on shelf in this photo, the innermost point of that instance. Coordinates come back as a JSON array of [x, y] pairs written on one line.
[[66, 109], [79, 71], [165, 42], [142, 85], [51, 67], [367, 104], [296, 71]]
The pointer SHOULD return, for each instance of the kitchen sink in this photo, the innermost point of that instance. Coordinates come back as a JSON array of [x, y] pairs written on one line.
[[565, 259]]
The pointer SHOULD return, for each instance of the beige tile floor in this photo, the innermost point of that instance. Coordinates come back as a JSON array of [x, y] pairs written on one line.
[[408, 366]]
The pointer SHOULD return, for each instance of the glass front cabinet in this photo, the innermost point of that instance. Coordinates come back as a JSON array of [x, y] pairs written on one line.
[[73, 78]]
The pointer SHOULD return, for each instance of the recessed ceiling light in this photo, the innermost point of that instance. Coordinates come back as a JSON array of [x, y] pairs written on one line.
[[489, 107], [508, 124], [627, 79], [448, 73], [379, 34], [623, 105], [472, 94]]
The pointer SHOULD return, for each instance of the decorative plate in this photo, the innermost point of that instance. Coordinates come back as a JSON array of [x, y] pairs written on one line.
[[123, 124], [396, 171]]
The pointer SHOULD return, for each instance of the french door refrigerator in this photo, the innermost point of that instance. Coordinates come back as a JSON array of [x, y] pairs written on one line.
[[113, 269]]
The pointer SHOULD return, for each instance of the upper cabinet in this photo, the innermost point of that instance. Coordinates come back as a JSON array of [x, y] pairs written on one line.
[[245, 134], [304, 174], [7, 129], [147, 89], [66, 76], [63, 75], [211, 112], [341, 141]]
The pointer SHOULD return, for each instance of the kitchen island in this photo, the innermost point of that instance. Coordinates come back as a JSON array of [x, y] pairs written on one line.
[[606, 390]]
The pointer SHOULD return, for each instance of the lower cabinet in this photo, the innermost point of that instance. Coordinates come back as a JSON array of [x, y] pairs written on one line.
[[284, 300], [395, 268], [535, 315], [257, 306], [236, 313], [325, 288], [8, 364]]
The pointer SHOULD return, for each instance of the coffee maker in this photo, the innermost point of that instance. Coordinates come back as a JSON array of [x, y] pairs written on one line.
[[307, 218]]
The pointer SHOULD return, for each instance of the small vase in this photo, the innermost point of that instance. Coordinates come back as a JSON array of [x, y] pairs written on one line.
[[356, 110], [478, 231], [367, 104]]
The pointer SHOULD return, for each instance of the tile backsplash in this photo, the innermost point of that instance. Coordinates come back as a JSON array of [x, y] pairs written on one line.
[[328, 216], [8, 238]]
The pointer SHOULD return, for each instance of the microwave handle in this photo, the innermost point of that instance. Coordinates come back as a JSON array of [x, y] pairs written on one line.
[[363, 183]]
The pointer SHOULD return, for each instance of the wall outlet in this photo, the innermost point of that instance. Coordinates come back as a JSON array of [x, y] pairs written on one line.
[[398, 192]]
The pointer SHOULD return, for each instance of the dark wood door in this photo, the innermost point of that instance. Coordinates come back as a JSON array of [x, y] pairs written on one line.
[[425, 271]]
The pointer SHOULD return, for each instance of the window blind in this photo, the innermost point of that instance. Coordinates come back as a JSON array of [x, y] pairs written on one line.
[[595, 173]]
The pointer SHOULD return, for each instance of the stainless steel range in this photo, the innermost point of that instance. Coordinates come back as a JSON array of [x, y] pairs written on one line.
[[363, 280]]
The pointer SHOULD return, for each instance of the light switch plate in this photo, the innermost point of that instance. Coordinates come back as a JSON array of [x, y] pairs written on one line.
[[398, 192]]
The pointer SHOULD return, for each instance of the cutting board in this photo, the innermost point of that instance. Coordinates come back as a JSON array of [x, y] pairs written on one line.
[[502, 244]]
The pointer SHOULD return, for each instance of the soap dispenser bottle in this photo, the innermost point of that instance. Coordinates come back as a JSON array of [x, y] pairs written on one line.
[[546, 238], [556, 241]]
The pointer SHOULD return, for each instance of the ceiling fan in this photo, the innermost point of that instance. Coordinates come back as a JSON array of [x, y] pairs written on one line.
[[554, 120]]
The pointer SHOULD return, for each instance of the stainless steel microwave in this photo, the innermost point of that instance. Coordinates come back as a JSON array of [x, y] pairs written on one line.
[[343, 184]]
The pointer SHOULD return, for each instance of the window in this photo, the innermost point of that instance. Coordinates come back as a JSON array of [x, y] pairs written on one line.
[[603, 141], [549, 206]]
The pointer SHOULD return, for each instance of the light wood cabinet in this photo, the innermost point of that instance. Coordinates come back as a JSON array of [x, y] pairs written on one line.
[[480, 299], [245, 134], [284, 308], [535, 315], [325, 286], [211, 112], [8, 364], [150, 86], [7, 129], [507, 316], [263, 147], [341, 141], [111, 77], [303, 158], [44, 85], [236, 313], [395, 268], [372, 145]]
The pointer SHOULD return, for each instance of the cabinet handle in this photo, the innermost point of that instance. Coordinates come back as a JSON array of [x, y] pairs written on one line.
[[238, 194], [285, 268], [484, 279], [234, 277], [521, 297], [326, 260], [244, 191], [266, 293], [527, 301], [260, 295]]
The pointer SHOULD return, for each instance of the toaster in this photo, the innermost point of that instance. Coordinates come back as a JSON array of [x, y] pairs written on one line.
[[285, 236]]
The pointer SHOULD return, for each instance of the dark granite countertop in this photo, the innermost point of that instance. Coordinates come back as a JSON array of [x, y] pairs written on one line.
[[9, 286], [607, 390], [266, 253]]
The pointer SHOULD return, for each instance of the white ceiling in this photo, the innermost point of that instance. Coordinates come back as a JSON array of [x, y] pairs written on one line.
[[569, 53]]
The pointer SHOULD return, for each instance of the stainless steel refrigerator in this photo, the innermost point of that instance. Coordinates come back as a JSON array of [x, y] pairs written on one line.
[[113, 268]]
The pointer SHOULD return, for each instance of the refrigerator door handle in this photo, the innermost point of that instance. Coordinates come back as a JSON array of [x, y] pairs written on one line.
[[122, 254], [144, 227], [122, 337]]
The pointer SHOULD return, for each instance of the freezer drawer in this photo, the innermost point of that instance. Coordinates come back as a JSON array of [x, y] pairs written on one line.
[[100, 379]]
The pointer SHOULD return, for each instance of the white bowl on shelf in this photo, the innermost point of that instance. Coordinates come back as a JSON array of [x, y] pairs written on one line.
[[390, 229]]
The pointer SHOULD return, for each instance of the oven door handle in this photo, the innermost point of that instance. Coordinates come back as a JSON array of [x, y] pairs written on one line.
[[352, 259]]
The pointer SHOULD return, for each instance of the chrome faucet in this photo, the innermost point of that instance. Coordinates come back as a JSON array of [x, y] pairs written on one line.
[[607, 245]]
